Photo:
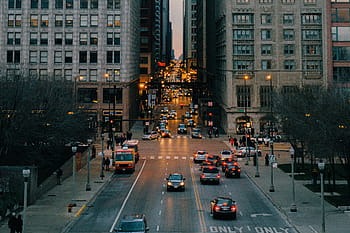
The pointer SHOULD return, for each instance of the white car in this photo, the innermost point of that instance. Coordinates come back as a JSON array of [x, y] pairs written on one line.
[[150, 135], [247, 151], [200, 156]]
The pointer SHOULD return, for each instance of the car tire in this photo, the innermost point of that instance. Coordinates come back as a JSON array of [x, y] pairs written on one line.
[[234, 216]]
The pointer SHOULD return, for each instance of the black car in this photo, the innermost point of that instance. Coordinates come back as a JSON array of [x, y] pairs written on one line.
[[224, 207], [175, 181], [214, 159], [227, 162], [182, 129], [132, 223], [233, 171]]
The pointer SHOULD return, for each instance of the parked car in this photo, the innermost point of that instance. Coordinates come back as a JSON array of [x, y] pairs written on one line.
[[247, 151], [175, 181], [200, 156], [223, 206], [210, 174], [182, 129], [133, 223], [233, 171], [150, 135], [196, 133]]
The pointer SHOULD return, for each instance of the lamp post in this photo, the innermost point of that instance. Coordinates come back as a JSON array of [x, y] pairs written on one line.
[[245, 78], [272, 161], [321, 166], [88, 187], [74, 150], [257, 174], [26, 174], [293, 207], [102, 157], [76, 79]]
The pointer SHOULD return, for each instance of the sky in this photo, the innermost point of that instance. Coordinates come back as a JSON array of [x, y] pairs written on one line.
[[176, 18]]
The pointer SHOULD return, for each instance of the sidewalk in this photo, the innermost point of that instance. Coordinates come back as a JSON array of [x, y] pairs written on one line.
[[308, 217]]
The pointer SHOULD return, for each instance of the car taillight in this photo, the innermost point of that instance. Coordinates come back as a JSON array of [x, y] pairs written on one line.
[[217, 208], [202, 176], [218, 176], [239, 170], [233, 208]]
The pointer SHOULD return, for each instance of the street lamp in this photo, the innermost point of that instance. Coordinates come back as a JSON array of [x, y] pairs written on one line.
[[102, 157], [272, 162], [245, 78], [26, 174], [74, 150], [76, 79], [257, 174], [293, 207], [321, 166], [88, 187]]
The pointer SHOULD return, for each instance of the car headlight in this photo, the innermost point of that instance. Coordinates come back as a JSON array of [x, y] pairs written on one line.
[[182, 183], [169, 183]]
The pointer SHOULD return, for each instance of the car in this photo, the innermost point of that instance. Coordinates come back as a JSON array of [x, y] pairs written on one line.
[[175, 181], [182, 129], [226, 154], [133, 223], [191, 123], [224, 207], [188, 115], [205, 163], [214, 159], [227, 162], [247, 151], [165, 133], [196, 133], [210, 174], [200, 156], [233, 171], [150, 135]]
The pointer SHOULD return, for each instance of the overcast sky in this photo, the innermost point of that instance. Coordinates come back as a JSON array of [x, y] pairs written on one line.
[[176, 18]]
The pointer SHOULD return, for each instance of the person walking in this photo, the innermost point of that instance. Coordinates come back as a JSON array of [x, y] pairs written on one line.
[[59, 174], [107, 163], [19, 224], [12, 223]]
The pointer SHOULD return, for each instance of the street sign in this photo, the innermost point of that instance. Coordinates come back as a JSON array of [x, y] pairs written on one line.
[[272, 158]]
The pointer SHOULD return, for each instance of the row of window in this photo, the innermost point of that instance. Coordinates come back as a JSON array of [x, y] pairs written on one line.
[[287, 19], [282, 1], [14, 57], [15, 20], [266, 34], [288, 49], [63, 4], [290, 64], [60, 38]]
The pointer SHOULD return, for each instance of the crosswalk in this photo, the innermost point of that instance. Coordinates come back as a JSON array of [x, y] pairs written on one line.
[[152, 157]]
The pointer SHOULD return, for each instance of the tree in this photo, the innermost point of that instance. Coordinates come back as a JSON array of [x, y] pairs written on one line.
[[37, 119], [320, 119]]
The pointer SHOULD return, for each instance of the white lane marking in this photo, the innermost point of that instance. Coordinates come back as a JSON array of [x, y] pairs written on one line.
[[151, 157], [167, 157], [157, 227], [176, 157], [160, 212], [183, 157], [160, 157], [127, 197], [313, 229]]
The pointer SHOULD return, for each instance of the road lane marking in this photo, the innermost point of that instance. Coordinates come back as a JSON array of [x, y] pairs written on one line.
[[127, 197]]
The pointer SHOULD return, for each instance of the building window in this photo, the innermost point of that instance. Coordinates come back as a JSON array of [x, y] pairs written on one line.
[[84, 21], [59, 4], [288, 34], [341, 53], [87, 95], [18, 20], [312, 65], [110, 95], [13, 56], [10, 38], [58, 57], [11, 21], [44, 38], [82, 56], [340, 33], [289, 65], [289, 49], [113, 21], [341, 74], [288, 19], [312, 50], [68, 74], [93, 76], [113, 57], [243, 96], [266, 64], [243, 1], [17, 38], [59, 20], [243, 34], [84, 4], [57, 74], [309, 2], [243, 19], [69, 4], [113, 4], [288, 1], [93, 38], [311, 19], [12, 4], [94, 4], [68, 57], [43, 57], [243, 65], [266, 34], [266, 49], [243, 50], [93, 57], [265, 1], [44, 21], [340, 15], [94, 20], [265, 94], [266, 19], [33, 38], [33, 57], [34, 20], [44, 4], [68, 38], [34, 4], [58, 38], [83, 38], [69, 20], [312, 34]]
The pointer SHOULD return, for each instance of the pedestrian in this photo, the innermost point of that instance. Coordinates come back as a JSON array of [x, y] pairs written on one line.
[[12, 223], [107, 163], [19, 224], [266, 160], [59, 174]]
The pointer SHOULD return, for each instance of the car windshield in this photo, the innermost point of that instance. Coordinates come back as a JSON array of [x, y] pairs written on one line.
[[210, 170], [175, 177], [132, 226], [123, 157], [224, 202], [202, 152], [226, 152]]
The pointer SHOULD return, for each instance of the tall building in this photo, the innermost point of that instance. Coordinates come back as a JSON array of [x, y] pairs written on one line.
[[261, 47], [190, 34], [95, 44]]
